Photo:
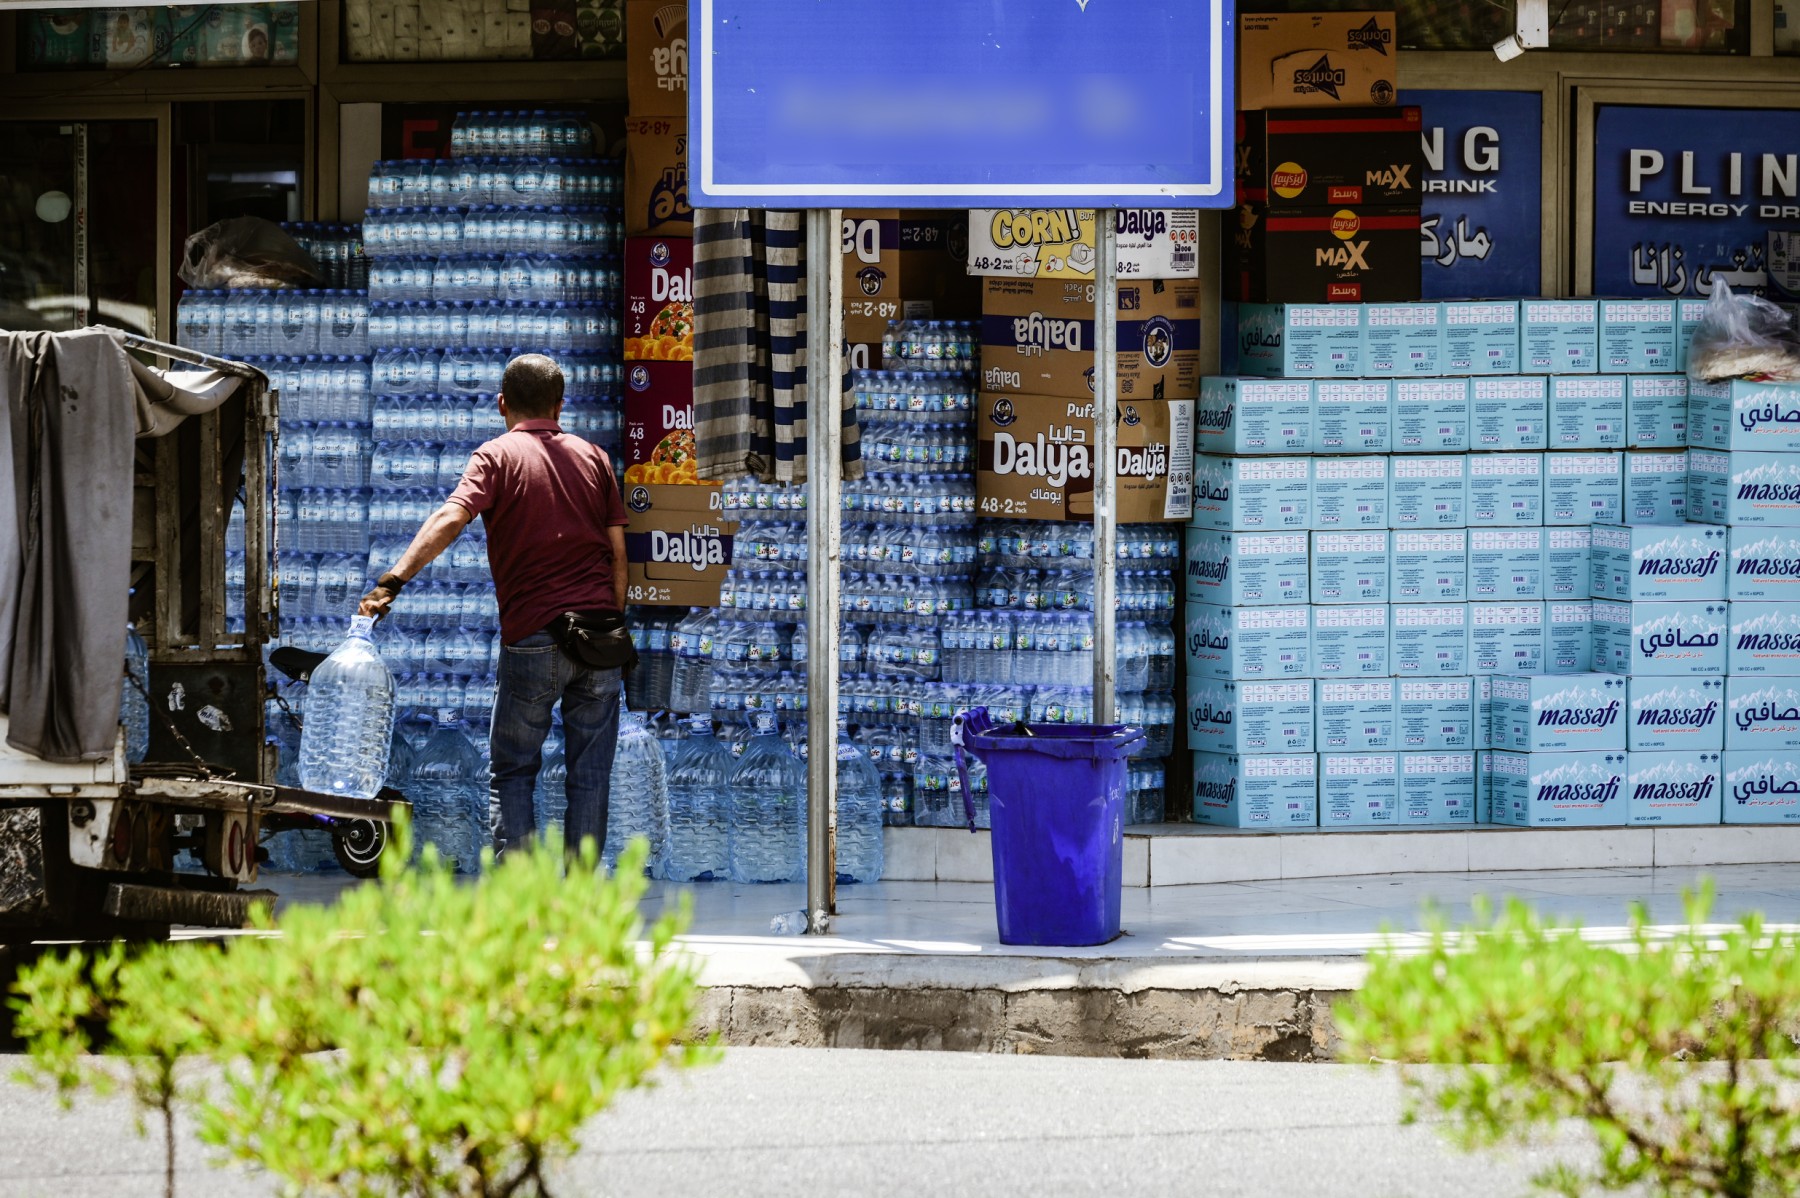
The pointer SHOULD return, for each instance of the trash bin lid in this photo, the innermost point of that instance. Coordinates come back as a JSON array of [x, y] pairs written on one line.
[[1099, 742]]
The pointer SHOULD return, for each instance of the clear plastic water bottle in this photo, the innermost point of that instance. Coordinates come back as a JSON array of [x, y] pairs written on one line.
[[550, 799], [859, 819], [699, 845], [639, 804], [449, 792], [134, 702], [349, 718], [768, 808]]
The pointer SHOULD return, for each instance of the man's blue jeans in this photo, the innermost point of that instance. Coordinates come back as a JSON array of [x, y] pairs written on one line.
[[534, 675]]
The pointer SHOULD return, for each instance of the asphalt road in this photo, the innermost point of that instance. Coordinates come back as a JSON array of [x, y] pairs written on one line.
[[800, 1122]]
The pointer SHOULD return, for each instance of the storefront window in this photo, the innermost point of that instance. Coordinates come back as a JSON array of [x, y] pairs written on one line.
[[1682, 26], [1787, 26], [181, 35], [483, 30]]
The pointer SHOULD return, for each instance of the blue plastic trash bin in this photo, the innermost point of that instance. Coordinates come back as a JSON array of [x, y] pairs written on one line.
[[1056, 797]]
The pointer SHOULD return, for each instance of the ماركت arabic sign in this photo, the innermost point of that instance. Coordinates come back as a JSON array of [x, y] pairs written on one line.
[[1684, 197], [1481, 214]]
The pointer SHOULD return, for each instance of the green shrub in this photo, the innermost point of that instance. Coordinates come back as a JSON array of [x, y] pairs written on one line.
[[1674, 1051], [420, 1036]]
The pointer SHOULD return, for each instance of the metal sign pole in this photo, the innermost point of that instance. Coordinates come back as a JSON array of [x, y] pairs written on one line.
[[1106, 437], [824, 530], [82, 300]]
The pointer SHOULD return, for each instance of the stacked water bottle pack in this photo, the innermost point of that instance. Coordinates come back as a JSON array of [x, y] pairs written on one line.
[[337, 249]]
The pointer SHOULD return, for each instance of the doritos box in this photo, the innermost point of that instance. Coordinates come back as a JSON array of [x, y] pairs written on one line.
[[677, 544], [1316, 59], [656, 192]]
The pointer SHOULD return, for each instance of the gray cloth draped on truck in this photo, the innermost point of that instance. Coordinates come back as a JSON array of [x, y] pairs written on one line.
[[75, 405]]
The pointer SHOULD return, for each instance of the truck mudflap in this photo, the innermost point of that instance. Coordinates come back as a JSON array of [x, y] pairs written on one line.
[[172, 905]]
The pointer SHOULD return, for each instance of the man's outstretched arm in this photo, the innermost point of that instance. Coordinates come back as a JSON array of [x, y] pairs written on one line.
[[440, 529]]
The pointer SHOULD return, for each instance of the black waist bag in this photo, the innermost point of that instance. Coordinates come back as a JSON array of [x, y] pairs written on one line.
[[598, 640]]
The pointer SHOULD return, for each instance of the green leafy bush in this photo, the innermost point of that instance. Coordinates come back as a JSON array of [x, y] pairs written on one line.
[[1674, 1051], [420, 1036]]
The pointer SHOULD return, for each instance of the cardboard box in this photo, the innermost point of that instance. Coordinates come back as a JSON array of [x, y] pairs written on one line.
[[1744, 489], [1587, 412], [1656, 411], [1559, 336], [1250, 717], [1350, 641], [1350, 567], [1275, 791], [1437, 789], [656, 57], [1640, 562], [1429, 640], [1484, 786], [1248, 643], [659, 299], [1316, 60], [656, 185], [1436, 714], [1559, 789], [677, 544], [1359, 790], [1430, 567], [905, 266], [1637, 336], [1035, 459], [1247, 569], [1037, 338], [1764, 639], [1741, 415], [1353, 416], [1569, 637], [1762, 787], [1560, 713], [659, 423], [1356, 717], [1762, 714], [1765, 564], [1508, 413], [1350, 493], [1568, 566], [1332, 255], [1680, 714], [1656, 486], [1252, 494], [1661, 639], [1709, 423], [1688, 315], [1675, 788], [1506, 564], [1058, 243], [1481, 337], [1506, 489], [1297, 159], [1403, 340], [1315, 341], [1428, 492], [1431, 416], [1583, 488], [1508, 638], [1483, 727], [1254, 415]]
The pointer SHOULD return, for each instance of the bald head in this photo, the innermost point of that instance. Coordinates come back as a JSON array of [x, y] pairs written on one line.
[[532, 386]]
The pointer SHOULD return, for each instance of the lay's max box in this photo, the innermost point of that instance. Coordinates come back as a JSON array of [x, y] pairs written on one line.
[[1356, 717], [1313, 341], [1350, 640], [1430, 567], [1587, 412], [1403, 340], [1656, 487], [1254, 416], [1435, 714], [1762, 714], [1244, 643], [1274, 791], [1037, 338], [1506, 563], [1252, 494], [1350, 493], [1429, 640], [1359, 790], [1562, 713], [1353, 416], [1559, 336], [1437, 789], [1247, 569], [1508, 638], [1569, 641], [1656, 414], [1322, 255], [1679, 714], [1350, 567], [1640, 562], [1566, 562], [1765, 564], [1431, 416], [1675, 788], [1583, 488], [1428, 492], [1509, 413], [1568, 790], [1321, 159], [1483, 727], [1739, 415], [1637, 336], [1762, 787], [1744, 489], [1688, 315], [1250, 717], [1481, 337], [677, 544], [1506, 489], [1662, 639], [1764, 639]]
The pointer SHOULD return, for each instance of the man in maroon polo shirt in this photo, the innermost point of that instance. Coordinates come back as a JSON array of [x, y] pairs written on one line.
[[555, 543]]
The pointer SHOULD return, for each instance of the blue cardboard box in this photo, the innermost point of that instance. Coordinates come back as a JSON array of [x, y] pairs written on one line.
[[1506, 489], [1765, 564], [1659, 639], [1649, 562], [1314, 341], [1559, 336], [1276, 791], [1250, 717], [1506, 564], [1765, 639], [1688, 315], [1481, 337], [1359, 790], [1587, 411], [1674, 788], [1656, 415], [1403, 340], [1350, 640], [1247, 569], [1252, 494], [1429, 640], [1353, 416], [1428, 492], [1430, 567], [1583, 488], [1431, 416], [1709, 415], [1744, 489], [1567, 568], [1484, 711], [1741, 415], [1656, 486], [1356, 717], [1246, 643], [1254, 415], [1350, 567], [1676, 714], [1508, 638], [1564, 713], [1558, 790], [1509, 413], [1762, 787], [1637, 336], [1569, 636], [1436, 714], [1349, 493], [1437, 789], [1762, 714], [1484, 786]]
